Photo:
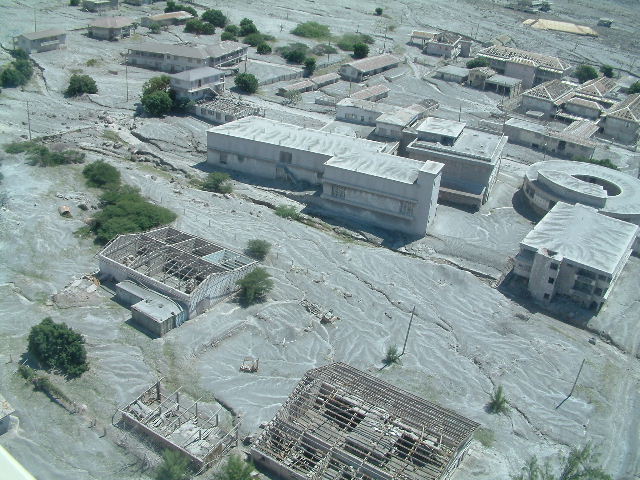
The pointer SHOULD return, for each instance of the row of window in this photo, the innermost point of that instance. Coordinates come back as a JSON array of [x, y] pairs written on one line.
[[338, 191]]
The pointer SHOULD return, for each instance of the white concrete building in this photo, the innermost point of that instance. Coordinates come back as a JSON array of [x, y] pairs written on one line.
[[198, 83], [575, 252], [391, 192], [111, 28], [622, 121], [471, 157], [178, 58], [41, 41], [547, 97], [366, 67], [444, 44]]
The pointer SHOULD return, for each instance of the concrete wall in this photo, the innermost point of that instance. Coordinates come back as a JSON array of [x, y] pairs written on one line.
[[41, 44], [171, 63], [526, 73], [582, 110], [445, 50], [624, 131], [539, 105], [109, 33], [349, 113]]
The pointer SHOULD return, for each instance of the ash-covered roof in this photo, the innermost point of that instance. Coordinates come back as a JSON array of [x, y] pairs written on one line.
[[179, 15], [371, 91], [112, 22], [552, 90], [597, 87], [628, 109], [52, 32], [374, 63], [197, 74], [188, 51], [384, 165], [516, 55]]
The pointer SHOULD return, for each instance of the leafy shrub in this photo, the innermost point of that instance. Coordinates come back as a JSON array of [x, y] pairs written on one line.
[[255, 39], [57, 346], [218, 182], [378, 11], [19, 54], [580, 464], [246, 82], [228, 36], [41, 156], [10, 77], [174, 466], [287, 211], [294, 52], [24, 67], [157, 104], [311, 30], [478, 62], [634, 88], [392, 356], [323, 49], [199, 27], [485, 436], [255, 286], [236, 469], [18, 72], [79, 84], [257, 249], [215, 18], [247, 27], [92, 62], [309, 66], [498, 402], [234, 29], [74, 3], [603, 163], [606, 70], [160, 83], [360, 50], [347, 41], [176, 7], [264, 49], [155, 28], [585, 72], [101, 175]]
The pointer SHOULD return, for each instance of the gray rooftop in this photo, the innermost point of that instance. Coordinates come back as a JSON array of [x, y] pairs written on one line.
[[197, 74], [201, 52], [112, 22], [52, 32], [383, 165], [527, 125], [584, 236], [453, 70], [627, 202], [367, 105], [441, 126], [402, 116], [504, 80], [273, 132]]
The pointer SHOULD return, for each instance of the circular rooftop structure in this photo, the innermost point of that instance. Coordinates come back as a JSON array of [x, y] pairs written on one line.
[[613, 193]]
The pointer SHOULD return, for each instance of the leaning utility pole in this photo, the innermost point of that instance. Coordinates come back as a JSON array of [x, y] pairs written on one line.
[[406, 338], [29, 120]]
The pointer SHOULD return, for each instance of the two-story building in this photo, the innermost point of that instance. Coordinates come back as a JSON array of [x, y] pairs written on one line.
[[197, 83], [111, 28]]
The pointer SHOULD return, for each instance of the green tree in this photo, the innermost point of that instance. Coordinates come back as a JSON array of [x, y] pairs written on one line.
[[309, 66], [233, 29], [175, 7], [218, 182], [360, 50], [24, 67], [378, 11], [312, 30], [634, 88], [392, 355], [579, 464], [498, 402], [79, 84], [287, 211], [214, 17], [19, 54], [263, 48], [323, 49], [160, 83], [478, 62], [585, 72], [247, 27], [235, 469], [606, 70], [57, 346], [199, 27], [347, 41], [10, 77], [74, 3], [257, 249], [157, 104], [228, 36], [255, 286], [174, 466], [155, 28], [246, 82], [101, 175]]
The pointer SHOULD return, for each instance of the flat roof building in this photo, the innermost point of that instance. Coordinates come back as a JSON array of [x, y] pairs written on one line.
[[191, 273], [451, 73], [178, 58], [532, 68], [340, 422], [366, 67], [372, 93], [99, 5], [224, 108], [576, 252], [42, 41], [471, 157], [111, 28], [198, 83], [165, 19]]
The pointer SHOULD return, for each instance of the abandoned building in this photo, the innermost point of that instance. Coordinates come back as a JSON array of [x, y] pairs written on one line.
[[6, 410], [547, 97], [486, 78], [372, 93], [421, 37], [532, 68], [197, 83], [41, 41], [111, 28], [613, 193], [340, 423], [574, 140], [310, 84], [388, 191], [170, 422], [451, 73], [99, 5], [447, 45], [359, 70], [471, 157], [577, 253], [224, 108], [622, 121], [178, 58], [166, 19], [169, 276]]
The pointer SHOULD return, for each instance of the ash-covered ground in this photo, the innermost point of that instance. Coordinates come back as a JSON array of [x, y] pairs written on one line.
[[468, 337]]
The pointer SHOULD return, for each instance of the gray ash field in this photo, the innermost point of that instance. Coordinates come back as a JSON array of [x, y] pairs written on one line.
[[467, 337]]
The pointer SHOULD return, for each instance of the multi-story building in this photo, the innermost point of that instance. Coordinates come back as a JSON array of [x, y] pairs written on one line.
[[360, 69], [532, 68], [41, 41], [471, 157], [577, 253], [197, 83], [178, 58], [111, 28], [547, 97], [445, 44], [622, 121]]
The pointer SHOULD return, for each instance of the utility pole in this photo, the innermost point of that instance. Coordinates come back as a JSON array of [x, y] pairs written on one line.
[[126, 75], [35, 23], [29, 120], [459, 112], [408, 330]]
